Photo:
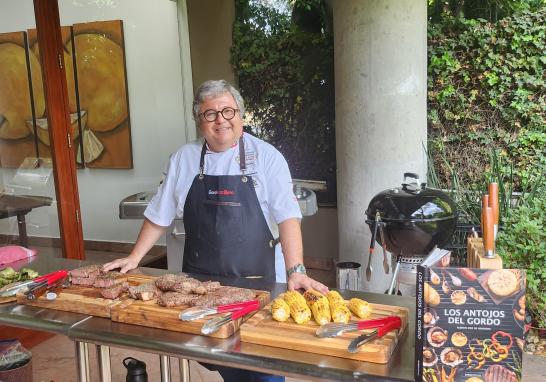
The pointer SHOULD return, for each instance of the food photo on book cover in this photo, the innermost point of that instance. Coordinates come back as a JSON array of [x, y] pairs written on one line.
[[469, 324]]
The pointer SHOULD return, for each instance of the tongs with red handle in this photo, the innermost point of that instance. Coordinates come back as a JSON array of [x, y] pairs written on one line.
[[52, 282], [336, 329], [214, 324], [34, 284], [390, 323], [196, 312]]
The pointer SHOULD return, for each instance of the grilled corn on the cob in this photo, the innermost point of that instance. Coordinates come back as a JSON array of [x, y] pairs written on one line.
[[280, 309], [360, 308], [299, 310], [319, 306], [338, 309]]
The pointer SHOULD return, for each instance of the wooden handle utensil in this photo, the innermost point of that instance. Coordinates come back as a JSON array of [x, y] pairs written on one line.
[[494, 204], [488, 229]]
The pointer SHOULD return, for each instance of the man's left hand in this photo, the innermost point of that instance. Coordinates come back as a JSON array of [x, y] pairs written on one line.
[[301, 281]]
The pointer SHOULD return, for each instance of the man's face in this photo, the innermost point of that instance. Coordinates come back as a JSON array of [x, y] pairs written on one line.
[[221, 133]]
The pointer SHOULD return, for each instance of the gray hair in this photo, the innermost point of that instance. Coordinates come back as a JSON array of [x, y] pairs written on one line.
[[214, 88]]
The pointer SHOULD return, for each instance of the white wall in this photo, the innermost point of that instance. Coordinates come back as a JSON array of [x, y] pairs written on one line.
[[160, 122]]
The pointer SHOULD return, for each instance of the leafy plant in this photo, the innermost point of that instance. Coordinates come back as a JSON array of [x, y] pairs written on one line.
[[523, 246], [486, 89], [284, 64]]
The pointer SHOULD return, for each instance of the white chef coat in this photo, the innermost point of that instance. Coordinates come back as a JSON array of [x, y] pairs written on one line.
[[266, 165]]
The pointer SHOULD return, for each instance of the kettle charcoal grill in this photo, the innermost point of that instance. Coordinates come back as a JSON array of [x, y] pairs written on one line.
[[413, 219]]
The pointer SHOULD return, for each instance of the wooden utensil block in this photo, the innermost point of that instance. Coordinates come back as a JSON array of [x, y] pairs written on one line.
[[475, 256], [263, 330]]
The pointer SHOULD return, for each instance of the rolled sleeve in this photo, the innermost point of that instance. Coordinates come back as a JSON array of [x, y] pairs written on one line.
[[163, 207], [282, 201]]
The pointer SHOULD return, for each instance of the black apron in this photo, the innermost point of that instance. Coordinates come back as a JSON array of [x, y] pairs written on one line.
[[226, 231]]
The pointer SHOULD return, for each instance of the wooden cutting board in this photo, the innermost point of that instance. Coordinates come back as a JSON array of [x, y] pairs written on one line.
[[262, 329], [149, 313], [82, 299]]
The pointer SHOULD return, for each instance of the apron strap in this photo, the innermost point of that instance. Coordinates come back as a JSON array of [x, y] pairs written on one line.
[[202, 160]]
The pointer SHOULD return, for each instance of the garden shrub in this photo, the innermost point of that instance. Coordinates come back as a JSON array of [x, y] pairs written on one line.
[[486, 90], [285, 69], [523, 246]]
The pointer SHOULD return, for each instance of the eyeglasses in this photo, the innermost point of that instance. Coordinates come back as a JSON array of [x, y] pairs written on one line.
[[227, 112]]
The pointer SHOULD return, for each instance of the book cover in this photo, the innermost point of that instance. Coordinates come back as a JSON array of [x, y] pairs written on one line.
[[469, 324]]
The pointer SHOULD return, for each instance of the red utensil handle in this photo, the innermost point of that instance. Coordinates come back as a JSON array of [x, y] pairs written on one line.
[[395, 323], [236, 305], [243, 311], [376, 322], [57, 275]]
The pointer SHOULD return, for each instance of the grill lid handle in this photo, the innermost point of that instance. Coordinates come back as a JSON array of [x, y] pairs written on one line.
[[412, 187]]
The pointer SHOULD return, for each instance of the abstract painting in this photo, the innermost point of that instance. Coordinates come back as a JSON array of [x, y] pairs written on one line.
[[16, 136], [96, 79]]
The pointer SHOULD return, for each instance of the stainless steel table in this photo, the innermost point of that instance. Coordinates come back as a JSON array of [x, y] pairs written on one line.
[[229, 352]]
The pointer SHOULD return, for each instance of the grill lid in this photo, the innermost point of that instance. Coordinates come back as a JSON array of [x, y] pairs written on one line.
[[412, 202]]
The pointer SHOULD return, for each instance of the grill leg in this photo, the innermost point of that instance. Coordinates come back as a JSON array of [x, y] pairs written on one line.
[[395, 274]]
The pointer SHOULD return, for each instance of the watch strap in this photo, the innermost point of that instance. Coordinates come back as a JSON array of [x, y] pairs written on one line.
[[298, 268]]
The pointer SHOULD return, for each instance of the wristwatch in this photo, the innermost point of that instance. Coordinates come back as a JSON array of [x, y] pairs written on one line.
[[298, 268]]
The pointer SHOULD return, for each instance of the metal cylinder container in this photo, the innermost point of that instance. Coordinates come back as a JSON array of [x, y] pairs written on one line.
[[348, 275]]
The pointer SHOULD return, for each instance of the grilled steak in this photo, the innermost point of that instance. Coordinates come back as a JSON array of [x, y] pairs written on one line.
[[170, 282], [114, 291], [84, 281], [109, 279], [87, 271], [170, 299], [206, 287], [498, 373], [145, 291], [223, 295]]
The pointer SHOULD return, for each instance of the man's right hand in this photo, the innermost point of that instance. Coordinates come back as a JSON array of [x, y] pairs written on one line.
[[125, 264]]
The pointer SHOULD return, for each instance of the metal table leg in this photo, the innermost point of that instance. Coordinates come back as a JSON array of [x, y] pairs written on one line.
[[165, 367], [184, 366], [82, 361], [103, 356]]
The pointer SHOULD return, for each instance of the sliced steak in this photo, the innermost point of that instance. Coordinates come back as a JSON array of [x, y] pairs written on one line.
[[170, 299], [87, 271], [144, 292], [224, 295], [84, 281], [109, 279], [114, 291]]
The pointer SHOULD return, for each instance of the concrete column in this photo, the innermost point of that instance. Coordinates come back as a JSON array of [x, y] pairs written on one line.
[[380, 51]]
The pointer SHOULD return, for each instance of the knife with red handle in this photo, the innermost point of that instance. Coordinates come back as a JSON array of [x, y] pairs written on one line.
[[44, 283], [391, 324], [40, 290]]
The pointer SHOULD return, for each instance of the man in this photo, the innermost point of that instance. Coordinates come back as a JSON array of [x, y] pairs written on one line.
[[232, 190]]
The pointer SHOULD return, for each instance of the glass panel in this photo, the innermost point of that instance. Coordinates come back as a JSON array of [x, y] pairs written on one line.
[[130, 85], [28, 210]]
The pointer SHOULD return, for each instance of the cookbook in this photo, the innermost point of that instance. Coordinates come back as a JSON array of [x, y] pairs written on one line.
[[469, 324]]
